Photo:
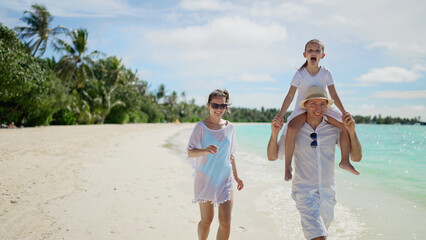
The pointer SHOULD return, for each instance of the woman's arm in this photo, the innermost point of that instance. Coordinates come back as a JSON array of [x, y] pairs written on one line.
[[198, 152], [235, 173], [336, 98], [287, 100]]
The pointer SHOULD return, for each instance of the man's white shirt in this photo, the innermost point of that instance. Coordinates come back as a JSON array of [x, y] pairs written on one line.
[[314, 167]]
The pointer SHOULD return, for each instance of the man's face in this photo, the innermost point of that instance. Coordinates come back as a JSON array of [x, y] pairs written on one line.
[[316, 108]]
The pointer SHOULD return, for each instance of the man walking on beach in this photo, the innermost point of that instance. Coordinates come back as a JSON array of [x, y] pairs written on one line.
[[313, 186]]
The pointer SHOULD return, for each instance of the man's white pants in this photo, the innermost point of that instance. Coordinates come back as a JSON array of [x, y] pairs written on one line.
[[316, 213]]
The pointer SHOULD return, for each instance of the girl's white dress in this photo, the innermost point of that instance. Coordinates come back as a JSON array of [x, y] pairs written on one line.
[[213, 178], [304, 80]]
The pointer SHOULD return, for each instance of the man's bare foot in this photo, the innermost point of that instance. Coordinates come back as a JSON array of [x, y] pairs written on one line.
[[288, 176], [348, 167]]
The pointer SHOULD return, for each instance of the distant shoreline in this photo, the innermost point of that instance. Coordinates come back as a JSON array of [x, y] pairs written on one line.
[[4, 126]]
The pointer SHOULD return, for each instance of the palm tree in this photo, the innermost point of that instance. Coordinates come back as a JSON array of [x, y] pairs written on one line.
[[161, 93], [100, 95], [75, 63], [113, 72], [38, 32], [116, 71]]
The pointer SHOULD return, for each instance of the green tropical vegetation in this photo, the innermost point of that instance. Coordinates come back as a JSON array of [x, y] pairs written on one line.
[[38, 31], [89, 87]]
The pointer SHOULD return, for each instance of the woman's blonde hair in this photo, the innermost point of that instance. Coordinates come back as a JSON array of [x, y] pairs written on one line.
[[313, 41]]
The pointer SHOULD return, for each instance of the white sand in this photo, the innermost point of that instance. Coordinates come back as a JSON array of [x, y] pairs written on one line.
[[103, 182]]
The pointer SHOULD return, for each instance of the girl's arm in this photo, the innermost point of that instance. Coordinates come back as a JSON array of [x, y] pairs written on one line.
[[335, 97], [356, 148], [235, 173], [198, 152], [287, 100]]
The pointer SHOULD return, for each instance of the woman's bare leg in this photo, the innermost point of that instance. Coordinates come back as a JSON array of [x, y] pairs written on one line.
[[207, 214], [225, 211], [345, 146], [320, 238], [292, 129]]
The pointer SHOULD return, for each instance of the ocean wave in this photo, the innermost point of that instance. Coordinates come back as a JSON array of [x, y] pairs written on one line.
[[275, 202]]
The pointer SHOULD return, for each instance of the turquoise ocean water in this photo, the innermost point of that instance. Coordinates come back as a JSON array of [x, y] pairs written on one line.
[[386, 201], [394, 156]]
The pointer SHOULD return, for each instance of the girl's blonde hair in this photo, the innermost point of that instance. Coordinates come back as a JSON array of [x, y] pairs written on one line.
[[220, 93], [313, 41]]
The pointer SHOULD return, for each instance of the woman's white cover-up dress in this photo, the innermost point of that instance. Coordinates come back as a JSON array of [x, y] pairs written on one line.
[[213, 178]]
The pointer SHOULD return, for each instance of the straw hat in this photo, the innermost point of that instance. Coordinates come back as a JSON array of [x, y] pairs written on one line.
[[316, 93]]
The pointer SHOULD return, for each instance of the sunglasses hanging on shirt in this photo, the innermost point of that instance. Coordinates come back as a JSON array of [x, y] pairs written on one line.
[[314, 143]]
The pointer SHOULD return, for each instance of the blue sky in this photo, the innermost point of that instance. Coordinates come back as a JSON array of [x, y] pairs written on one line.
[[374, 48]]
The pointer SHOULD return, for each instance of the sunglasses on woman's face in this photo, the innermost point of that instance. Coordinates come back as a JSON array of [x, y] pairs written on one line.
[[221, 106], [314, 143]]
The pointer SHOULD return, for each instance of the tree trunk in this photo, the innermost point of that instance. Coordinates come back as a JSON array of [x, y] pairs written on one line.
[[38, 45], [72, 73], [103, 118]]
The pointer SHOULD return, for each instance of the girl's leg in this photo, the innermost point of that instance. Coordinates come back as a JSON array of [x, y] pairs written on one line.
[[225, 210], [345, 146], [207, 214], [292, 129]]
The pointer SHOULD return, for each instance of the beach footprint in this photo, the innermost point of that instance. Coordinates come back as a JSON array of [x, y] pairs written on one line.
[[242, 229]]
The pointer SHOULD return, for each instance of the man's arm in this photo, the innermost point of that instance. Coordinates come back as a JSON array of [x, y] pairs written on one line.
[[272, 150], [356, 149]]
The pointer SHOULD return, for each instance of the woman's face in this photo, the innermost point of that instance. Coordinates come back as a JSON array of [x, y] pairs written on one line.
[[217, 106]]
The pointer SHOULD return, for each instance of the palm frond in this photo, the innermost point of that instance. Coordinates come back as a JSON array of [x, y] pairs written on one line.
[[38, 21], [43, 47], [62, 46], [60, 30]]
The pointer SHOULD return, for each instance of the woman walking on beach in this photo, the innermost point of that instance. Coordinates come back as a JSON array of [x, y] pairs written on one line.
[[211, 152]]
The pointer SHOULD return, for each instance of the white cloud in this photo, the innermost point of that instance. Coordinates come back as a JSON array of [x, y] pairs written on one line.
[[272, 89], [386, 44], [339, 20], [389, 74], [203, 85], [397, 46], [205, 5], [400, 94], [374, 24], [286, 10], [225, 46], [364, 106], [77, 8], [144, 74], [246, 77], [419, 67], [222, 33], [418, 107], [253, 100], [91, 8], [320, 2], [346, 92], [378, 24]]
